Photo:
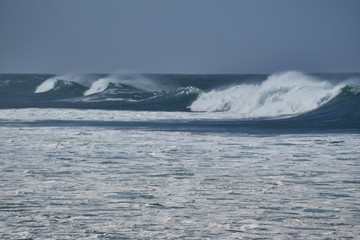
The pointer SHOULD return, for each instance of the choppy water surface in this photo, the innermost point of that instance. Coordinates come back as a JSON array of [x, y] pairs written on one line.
[[169, 156], [113, 183]]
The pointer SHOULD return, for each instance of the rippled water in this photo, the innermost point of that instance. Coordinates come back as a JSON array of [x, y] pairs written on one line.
[[111, 183]]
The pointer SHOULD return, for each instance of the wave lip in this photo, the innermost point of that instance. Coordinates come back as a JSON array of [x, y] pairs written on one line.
[[46, 85], [283, 94]]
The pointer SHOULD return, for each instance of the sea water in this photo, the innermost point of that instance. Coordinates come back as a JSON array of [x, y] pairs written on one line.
[[178, 157]]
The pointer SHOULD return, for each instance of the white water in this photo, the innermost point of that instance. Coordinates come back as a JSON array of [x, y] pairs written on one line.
[[281, 94], [113, 183]]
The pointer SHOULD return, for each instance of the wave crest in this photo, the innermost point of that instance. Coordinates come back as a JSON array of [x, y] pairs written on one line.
[[130, 80]]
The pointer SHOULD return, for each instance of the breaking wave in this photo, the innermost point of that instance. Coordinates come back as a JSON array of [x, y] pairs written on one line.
[[247, 97], [119, 80], [283, 94], [60, 81]]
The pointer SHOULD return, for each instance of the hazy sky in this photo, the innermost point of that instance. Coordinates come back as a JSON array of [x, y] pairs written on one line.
[[179, 36]]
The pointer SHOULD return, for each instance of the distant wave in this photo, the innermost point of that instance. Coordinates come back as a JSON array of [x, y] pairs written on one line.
[[59, 82], [283, 94], [131, 80], [92, 86]]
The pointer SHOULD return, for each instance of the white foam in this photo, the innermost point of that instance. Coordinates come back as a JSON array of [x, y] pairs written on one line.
[[114, 182], [281, 94]]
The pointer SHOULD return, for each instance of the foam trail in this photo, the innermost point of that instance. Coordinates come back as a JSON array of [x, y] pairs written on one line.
[[130, 79], [282, 94]]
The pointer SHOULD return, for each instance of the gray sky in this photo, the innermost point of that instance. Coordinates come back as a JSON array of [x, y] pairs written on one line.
[[179, 36]]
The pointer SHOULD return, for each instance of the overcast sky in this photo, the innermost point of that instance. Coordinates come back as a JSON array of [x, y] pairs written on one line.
[[179, 36]]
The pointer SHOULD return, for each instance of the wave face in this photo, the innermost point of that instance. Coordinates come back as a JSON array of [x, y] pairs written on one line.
[[300, 99]]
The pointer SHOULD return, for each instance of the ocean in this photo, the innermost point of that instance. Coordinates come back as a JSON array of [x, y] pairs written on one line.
[[180, 156]]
